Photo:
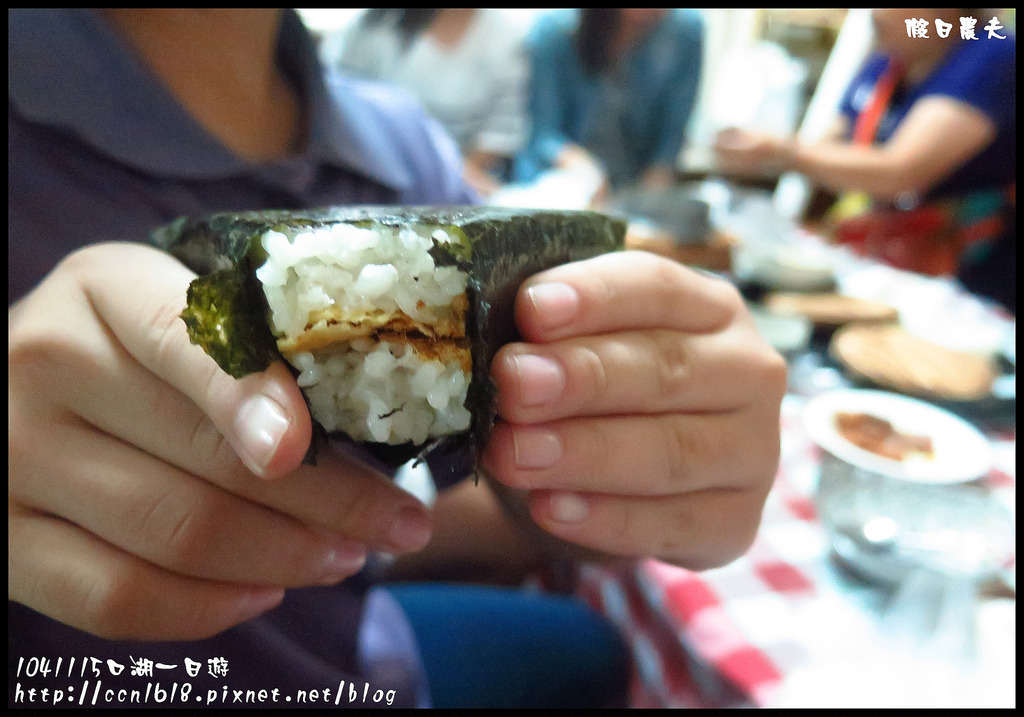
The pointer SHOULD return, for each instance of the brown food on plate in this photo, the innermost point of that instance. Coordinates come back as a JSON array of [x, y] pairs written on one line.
[[878, 436], [830, 309], [892, 358]]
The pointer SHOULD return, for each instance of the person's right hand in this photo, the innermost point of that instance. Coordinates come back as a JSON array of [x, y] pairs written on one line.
[[743, 153], [152, 496]]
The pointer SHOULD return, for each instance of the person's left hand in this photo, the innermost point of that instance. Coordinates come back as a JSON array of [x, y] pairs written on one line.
[[641, 414], [480, 180], [752, 154]]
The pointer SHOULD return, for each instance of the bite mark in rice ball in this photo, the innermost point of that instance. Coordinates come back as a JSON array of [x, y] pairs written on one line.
[[375, 327], [388, 316]]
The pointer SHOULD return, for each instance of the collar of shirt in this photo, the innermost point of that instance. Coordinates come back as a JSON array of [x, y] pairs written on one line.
[[69, 70]]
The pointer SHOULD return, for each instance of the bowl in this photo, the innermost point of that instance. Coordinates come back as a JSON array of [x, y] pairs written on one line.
[[793, 268], [789, 334]]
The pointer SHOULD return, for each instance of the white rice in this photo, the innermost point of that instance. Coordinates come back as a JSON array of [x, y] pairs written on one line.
[[372, 390], [360, 269], [384, 393]]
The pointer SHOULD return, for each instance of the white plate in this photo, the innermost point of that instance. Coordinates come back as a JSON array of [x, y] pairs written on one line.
[[961, 452]]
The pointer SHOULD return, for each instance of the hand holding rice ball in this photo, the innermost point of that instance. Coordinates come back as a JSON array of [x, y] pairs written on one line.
[[152, 495], [616, 422], [638, 416], [641, 412]]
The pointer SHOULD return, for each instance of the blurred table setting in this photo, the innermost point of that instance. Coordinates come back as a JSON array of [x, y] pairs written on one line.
[[791, 623], [877, 579]]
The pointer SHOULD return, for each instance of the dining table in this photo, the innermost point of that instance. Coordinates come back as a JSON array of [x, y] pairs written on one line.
[[790, 623]]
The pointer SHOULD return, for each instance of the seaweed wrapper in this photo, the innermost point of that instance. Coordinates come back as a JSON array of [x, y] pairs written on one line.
[[498, 248]]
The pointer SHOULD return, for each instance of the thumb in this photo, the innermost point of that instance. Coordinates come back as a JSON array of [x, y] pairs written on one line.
[[139, 293], [263, 416]]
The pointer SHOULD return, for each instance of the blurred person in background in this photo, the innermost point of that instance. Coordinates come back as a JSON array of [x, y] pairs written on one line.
[[467, 67], [612, 91], [926, 136], [177, 521]]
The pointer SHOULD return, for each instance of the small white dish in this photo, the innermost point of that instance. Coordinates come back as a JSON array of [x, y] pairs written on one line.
[[794, 268], [786, 333], [961, 452]]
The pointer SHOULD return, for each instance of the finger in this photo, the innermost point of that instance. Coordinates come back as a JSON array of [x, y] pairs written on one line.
[[686, 530], [622, 291], [61, 571], [343, 496], [631, 372], [638, 455], [262, 416], [179, 522], [340, 495]]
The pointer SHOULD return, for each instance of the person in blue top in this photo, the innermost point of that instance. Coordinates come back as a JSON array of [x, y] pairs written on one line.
[[928, 121], [159, 514], [612, 88]]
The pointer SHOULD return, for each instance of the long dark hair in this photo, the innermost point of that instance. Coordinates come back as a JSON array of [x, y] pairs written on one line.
[[410, 21], [597, 30]]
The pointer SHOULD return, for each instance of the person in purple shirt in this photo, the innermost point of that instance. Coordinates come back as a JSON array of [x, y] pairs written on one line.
[[159, 518]]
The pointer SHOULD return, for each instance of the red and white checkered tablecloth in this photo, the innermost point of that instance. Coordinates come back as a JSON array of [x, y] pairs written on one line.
[[752, 632]]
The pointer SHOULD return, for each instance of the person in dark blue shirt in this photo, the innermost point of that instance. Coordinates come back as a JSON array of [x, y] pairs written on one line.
[[928, 121]]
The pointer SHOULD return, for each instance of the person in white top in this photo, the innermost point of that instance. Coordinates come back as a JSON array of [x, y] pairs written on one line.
[[465, 65]]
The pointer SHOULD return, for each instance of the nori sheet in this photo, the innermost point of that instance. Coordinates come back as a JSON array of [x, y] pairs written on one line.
[[498, 248]]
